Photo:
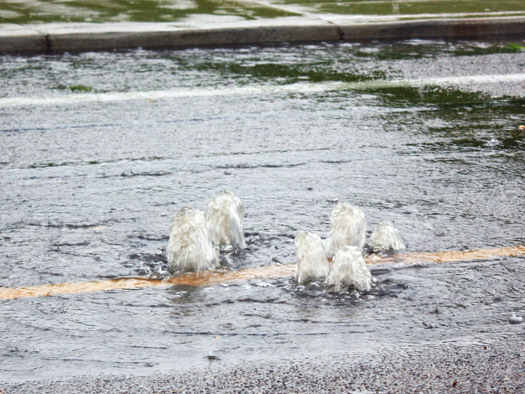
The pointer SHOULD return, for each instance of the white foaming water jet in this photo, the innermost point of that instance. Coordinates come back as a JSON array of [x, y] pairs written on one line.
[[349, 269], [225, 215], [190, 247], [312, 263], [385, 238], [348, 228]]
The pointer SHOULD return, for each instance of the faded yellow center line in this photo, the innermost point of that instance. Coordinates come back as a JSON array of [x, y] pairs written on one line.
[[450, 256], [210, 278]]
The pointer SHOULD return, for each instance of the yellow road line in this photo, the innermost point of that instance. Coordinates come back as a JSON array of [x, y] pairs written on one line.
[[450, 256], [209, 278]]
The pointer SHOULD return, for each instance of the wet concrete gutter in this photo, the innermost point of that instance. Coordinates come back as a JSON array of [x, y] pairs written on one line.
[[51, 38]]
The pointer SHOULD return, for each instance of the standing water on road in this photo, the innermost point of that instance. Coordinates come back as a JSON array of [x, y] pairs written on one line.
[[100, 150]]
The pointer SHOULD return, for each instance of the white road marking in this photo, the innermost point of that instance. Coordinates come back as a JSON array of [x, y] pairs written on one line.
[[302, 87]]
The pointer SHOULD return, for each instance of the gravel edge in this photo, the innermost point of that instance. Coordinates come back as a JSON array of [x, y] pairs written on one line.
[[493, 366]]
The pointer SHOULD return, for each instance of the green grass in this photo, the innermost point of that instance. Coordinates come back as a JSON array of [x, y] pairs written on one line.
[[47, 11], [80, 88]]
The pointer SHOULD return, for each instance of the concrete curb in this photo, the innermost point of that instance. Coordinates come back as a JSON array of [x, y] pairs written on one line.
[[436, 29], [223, 35], [41, 39], [15, 38]]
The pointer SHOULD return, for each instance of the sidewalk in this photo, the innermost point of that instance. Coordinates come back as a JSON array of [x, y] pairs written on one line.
[[41, 27]]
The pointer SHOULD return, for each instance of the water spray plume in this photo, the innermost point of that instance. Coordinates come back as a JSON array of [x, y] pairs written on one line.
[[386, 238], [348, 227], [225, 215], [312, 264], [349, 269], [190, 247]]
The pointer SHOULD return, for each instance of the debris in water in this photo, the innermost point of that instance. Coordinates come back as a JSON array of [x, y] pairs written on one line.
[[515, 319], [312, 264], [349, 269], [225, 215], [493, 142], [348, 228], [212, 357], [155, 276], [386, 238], [190, 247]]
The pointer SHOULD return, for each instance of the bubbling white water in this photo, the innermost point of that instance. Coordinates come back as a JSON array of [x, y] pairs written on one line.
[[225, 216], [386, 238], [190, 247], [348, 228], [312, 263], [349, 269]]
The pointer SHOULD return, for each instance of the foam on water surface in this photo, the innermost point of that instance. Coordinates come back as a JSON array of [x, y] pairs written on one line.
[[312, 263]]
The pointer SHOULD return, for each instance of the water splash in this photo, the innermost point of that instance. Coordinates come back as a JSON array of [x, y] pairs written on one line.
[[189, 246], [225, 216], [349, 269], [348, 228], [386, 237], [312, 263]]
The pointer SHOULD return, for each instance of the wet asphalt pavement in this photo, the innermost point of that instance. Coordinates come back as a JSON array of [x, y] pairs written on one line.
[[95, 162]]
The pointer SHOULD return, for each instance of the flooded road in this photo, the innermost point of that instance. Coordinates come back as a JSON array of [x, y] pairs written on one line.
[[98, 151]]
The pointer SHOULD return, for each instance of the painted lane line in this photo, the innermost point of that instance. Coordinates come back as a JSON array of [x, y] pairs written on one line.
[[210, 278], [296, 88]]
